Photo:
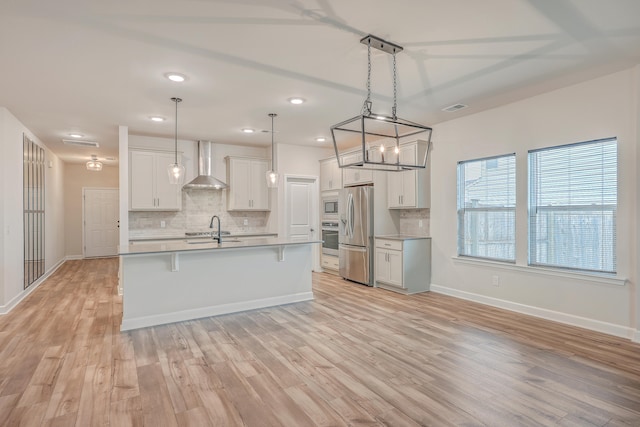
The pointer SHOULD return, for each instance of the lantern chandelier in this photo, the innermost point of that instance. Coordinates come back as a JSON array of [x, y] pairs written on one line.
[[379, 137]]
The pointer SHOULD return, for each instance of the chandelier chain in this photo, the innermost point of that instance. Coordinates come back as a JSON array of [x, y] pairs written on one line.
[[366, 108], [395, 89]]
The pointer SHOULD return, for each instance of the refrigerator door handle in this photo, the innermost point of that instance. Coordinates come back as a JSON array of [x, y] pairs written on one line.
[[350, 215], [353, 214]]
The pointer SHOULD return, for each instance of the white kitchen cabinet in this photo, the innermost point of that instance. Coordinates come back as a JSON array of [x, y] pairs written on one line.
[[149, 187], [410, 189], [330, 175], [403, 264], [353, 176], [389, 266], [330, 263], [248, 189]]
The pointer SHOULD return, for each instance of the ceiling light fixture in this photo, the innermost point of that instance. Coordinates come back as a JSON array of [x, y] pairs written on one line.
[[373, 132], [157, 119], [272, 175], [321, 139], [296, 100], [76, 135], [77, 143], [176, 170], [94, 165], [248, 130], [176, 77]]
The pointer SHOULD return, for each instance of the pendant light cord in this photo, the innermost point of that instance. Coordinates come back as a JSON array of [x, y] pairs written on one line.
[[273, 150], [176, 100]]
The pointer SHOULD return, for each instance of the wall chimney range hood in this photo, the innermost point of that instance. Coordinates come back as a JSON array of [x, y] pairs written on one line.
[[205, 178]]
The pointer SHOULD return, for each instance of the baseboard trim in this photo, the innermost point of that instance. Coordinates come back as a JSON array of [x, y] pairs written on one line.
[[73, 257], [216, 310], [556, 316], [4, 309]]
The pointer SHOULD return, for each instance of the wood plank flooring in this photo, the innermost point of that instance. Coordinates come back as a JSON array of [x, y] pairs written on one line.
[[354, 356]]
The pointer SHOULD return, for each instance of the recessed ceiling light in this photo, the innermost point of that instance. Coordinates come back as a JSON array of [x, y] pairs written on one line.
[[176, 77], [157, 119], [76, 135], [296, 100], [247, 130], [321, 139]]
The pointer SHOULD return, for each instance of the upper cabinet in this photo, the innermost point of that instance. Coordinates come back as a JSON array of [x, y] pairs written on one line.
[[330, 175], [149, 187], [247, 182], [354, 176], [410, 189]]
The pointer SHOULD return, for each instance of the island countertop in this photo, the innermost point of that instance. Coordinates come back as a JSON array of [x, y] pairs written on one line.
[[207, 245], [402, 237], [182, 235]]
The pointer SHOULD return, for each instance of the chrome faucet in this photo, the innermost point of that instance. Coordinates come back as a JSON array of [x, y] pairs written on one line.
[[219, 238]]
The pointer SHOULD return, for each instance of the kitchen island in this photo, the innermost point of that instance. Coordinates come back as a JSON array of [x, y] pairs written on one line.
[[176, 281]]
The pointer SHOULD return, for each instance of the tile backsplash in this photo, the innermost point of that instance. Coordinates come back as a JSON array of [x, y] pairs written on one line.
[[410, 222], [197, 208]]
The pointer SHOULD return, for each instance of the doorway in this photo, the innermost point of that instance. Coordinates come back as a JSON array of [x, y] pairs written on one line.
[[301, 211], [100, 222]]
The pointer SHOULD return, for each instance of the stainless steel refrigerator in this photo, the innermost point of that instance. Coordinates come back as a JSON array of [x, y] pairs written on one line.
[[355, 249]]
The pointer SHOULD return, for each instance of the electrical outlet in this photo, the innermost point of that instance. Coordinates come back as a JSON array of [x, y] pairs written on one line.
[[495, 280], [246, 221], [163, 224]]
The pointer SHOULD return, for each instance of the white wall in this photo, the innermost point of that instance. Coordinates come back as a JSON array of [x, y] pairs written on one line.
[[77, 177], [600, 108], [295, 160], [637, 197], [189, 158], [11, 263]]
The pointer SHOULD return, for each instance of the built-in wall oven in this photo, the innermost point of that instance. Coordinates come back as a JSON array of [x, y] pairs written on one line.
[[330, 238]]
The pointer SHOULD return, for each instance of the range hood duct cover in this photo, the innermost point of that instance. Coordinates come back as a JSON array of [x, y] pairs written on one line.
[[205, 178]]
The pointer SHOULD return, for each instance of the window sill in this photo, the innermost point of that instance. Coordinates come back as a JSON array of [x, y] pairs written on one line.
[[544, 271]]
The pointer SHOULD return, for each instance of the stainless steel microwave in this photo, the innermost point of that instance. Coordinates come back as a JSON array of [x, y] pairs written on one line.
[[330, 207]]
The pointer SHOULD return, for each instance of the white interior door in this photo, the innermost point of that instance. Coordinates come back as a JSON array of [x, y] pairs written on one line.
[[100, 230], [301, 214]]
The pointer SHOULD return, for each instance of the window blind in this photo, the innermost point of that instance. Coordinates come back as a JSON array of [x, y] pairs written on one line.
[[486, 208], [572, 206]]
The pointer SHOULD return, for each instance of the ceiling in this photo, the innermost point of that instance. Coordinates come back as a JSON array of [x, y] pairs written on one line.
[[88, 67]]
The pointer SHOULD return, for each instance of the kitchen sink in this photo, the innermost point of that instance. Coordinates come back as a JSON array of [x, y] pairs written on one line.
[[200, 242]]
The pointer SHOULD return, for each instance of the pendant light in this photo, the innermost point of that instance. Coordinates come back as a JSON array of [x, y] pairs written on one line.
[[272, 175], [176, 170], [379, 137]]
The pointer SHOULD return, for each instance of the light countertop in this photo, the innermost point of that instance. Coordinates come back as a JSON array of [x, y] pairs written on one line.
[[402, 237], [207, 245]]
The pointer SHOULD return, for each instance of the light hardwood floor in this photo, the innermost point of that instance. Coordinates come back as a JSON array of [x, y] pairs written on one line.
[[353, 356]]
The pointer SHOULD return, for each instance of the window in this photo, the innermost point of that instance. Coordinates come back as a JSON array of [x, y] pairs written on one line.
[[572, 206], [486, 208]]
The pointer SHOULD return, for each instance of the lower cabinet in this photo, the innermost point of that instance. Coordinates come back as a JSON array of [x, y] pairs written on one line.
[[329, 263], [403, 264]]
